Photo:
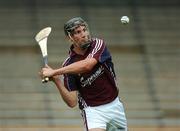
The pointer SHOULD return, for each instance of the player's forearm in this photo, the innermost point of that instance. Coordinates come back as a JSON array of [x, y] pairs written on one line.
[[69, 98], [77, 67], [74, 68]]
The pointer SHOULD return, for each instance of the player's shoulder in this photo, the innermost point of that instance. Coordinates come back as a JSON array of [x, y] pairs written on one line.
[[66, 61], [98, 42]]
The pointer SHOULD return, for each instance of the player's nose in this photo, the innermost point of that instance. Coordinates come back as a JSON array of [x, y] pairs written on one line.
[[84, 34]]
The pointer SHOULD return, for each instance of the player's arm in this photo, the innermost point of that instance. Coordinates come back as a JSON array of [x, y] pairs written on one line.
[[78, 67], [69, 97], [74, 68]]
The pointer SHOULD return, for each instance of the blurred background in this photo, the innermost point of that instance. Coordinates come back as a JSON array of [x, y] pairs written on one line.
[[146, 54]]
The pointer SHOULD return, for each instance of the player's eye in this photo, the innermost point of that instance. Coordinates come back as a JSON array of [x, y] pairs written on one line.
[[78, 32], [84, 29]]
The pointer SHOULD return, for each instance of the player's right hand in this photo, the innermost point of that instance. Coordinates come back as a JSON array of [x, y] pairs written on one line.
[[54, 78]]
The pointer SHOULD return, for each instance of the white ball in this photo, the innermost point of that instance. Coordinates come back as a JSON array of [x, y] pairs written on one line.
[[124, 20]]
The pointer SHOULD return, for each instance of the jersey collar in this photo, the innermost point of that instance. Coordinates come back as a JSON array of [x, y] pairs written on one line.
[[73, 53]]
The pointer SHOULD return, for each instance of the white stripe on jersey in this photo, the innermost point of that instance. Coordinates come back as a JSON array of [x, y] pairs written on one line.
[[96, 48], [66, 60]]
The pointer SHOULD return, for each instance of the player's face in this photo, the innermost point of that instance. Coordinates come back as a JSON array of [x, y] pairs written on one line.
[[80, 36]]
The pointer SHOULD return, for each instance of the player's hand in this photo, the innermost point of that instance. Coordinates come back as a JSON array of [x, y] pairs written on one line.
[[43, 78], [54, 78], [40, 74], [47, 71]]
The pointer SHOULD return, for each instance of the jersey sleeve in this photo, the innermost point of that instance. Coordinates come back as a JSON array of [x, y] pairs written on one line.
[[70, 82], [99, 51], [69, 79]]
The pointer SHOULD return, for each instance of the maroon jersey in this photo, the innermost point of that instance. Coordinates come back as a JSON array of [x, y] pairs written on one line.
[[98, 86]]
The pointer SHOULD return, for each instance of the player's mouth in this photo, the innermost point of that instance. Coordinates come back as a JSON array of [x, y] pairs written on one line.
[[85, 44]]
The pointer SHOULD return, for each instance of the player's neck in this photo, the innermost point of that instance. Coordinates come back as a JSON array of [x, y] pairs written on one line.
[[79, 50]]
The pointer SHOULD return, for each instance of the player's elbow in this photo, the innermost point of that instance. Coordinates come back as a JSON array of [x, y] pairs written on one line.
[[89, 64], [87, 68], [72, 104], [71, 100]]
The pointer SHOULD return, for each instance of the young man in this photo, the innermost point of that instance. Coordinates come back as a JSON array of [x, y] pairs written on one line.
[[89, 78]]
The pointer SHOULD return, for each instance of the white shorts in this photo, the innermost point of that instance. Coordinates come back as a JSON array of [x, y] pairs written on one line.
[[100, 116]]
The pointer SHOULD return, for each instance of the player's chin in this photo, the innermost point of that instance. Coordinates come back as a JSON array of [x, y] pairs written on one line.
[[87, 40], [83, 43]]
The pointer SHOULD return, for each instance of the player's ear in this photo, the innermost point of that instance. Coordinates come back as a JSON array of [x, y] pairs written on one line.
[[70, 38]]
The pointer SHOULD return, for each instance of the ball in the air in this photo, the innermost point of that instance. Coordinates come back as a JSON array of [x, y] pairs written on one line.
[[124, 20]]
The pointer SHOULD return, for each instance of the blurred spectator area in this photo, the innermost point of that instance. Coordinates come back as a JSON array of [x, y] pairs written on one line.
[[146, 54]]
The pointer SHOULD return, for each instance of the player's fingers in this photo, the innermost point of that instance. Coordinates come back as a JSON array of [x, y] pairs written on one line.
[[44, 69], [40, 74], [43, 73], [47, 66], [46, 72]]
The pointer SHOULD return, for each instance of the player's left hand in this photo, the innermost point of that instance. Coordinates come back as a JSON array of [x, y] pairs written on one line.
[[47, 71]]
